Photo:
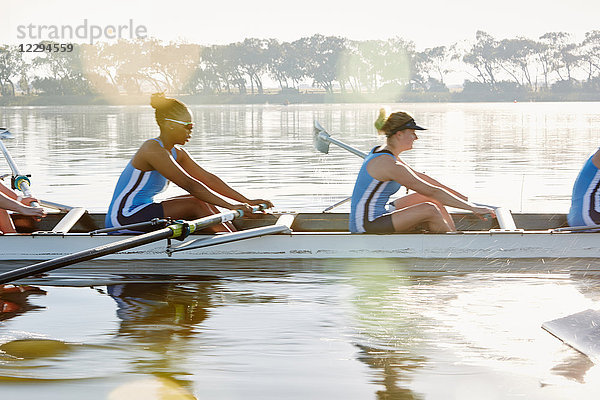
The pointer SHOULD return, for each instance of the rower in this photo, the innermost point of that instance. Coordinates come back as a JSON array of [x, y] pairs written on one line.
[[585, 210], [9, 200], [383, 174], [160, 160]]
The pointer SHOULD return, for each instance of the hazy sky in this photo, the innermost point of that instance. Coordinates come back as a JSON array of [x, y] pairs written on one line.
[[427, 22]]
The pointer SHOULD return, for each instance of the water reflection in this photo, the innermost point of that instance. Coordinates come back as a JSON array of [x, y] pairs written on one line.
[[423, 332], [159, 319], [392, 372], [14, 300], [393, 329]]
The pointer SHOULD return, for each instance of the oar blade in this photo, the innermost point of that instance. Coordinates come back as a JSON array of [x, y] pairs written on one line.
[[320, 138], [6, 134], [580, 331]]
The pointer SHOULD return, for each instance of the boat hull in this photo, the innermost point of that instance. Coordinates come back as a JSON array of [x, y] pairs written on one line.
[[325, 245]]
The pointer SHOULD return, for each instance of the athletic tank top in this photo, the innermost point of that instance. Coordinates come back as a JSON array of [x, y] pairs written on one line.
[[135, 189], [370, 196], [585, 200]]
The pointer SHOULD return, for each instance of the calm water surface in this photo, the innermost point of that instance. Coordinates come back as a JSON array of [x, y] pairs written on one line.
[[352, 329]]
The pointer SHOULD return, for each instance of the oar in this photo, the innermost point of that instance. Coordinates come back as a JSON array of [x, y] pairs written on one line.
[[21, 182], [577, 228], [322, 139], [174, 230], [339, 203], [282, 225], [5, 134]]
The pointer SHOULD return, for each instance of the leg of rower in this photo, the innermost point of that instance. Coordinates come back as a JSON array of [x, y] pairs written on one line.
[[6, 224], [189, 207], [407, 218], [417, 198]]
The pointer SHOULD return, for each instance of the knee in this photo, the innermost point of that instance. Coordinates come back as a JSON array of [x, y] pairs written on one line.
[[432, 210]]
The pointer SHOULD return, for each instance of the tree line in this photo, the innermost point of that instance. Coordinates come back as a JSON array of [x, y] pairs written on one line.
[[553, 63]]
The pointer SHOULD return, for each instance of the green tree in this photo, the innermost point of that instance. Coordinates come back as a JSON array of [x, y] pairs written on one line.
[[133, 65], [590, 53], [64, 69], [353, 67], [435, 61], [517, 57], [285, 63], [11, 67], [483, 57], [397, 62], [173, 65], [322, 55], [254, 59], [563, 52]]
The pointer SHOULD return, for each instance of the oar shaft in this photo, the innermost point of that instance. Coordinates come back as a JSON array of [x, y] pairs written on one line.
[[339, 203], [326, 137], [85, 255], [9, 159], [172, 231]]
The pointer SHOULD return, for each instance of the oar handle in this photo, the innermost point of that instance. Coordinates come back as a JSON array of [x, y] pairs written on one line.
[[20, 181], [256, 208], [184, 228]]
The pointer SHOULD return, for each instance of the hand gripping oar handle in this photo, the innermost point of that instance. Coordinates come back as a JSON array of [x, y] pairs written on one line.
[[172, 231], [21, 182]]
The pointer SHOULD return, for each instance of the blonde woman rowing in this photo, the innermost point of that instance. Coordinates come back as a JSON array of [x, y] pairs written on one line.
[[383, 173]]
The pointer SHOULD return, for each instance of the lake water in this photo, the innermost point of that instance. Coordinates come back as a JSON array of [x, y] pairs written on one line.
[[353, 329]]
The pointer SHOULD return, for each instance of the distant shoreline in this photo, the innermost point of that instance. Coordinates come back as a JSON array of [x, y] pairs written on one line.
[[289, 99]]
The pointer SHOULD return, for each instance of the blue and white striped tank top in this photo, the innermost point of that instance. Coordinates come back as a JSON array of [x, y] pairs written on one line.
[[135, 190], [585, 200], [370, 196]]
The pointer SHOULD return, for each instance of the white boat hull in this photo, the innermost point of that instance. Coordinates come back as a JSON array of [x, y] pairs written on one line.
[[329, 245]]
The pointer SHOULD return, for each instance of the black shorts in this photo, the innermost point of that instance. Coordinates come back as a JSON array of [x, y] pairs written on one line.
[[382, 224], [153, 210]]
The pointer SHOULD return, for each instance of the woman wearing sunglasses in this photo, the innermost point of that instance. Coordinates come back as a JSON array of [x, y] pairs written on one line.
[[383, 174], [160, 160]]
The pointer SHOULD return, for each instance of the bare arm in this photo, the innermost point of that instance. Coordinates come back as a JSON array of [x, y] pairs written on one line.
[[596, 159], [434, 182], [152, 156], [8, 201], [212, 181], [7, 192], [386, 169]]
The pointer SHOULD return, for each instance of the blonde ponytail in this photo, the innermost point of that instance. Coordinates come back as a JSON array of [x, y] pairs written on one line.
[[380, 121]]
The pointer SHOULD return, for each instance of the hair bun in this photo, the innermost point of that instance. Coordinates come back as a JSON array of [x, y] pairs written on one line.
[[158, 100], [380, 121]]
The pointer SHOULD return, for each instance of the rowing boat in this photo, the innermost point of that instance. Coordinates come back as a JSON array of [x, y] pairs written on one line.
[[315, 236], [71, 235]]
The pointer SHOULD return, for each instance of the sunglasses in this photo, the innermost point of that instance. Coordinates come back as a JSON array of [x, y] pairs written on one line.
[[186, 125]]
